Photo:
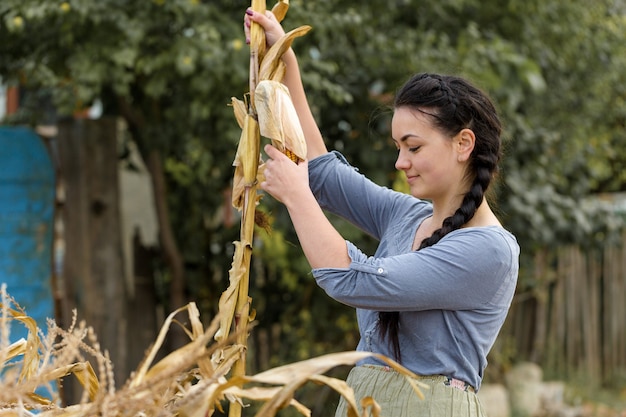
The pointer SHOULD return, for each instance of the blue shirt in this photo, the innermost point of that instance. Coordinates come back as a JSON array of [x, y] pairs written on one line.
[[453, 297]]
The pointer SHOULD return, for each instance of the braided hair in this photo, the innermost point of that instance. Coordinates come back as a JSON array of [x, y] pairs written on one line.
[[452, 104]]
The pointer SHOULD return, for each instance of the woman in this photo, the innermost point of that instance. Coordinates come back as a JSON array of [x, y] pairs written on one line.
[[436, 293]]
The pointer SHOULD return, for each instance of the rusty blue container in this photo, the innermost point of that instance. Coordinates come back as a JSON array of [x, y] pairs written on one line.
[[27, 187]]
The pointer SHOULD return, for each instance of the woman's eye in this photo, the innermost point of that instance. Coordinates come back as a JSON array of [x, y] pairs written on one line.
[[414, 149]]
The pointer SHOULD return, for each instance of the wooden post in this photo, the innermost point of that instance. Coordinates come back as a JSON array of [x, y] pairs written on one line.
[[13, 100], [92, 279]]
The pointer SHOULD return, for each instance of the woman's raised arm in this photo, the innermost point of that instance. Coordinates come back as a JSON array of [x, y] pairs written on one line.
[[293, 81]]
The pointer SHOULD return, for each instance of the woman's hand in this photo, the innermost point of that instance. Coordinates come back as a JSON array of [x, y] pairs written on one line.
[[271, 26], [286, 181], [323, 246]]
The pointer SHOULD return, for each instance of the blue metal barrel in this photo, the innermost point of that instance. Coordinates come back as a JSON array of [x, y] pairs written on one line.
[[27, 186]]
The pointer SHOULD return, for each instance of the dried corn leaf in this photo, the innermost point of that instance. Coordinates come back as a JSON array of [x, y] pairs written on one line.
[[228, 299], [278, 119], [265, 394], [293, 376], [246, 168], [258, 394], [35, 398], [279, 73], [302, 370], [257, 45], [370, 407], [15, 349], [342, 388], [83, 372], [273, 56], [249, 150], [257, 34], [239, 186], [260, 176], [78, 410], [239, 109], [280, 9], [145, 372], [178, 359], [33, 343], [202, 398], [240, 112]]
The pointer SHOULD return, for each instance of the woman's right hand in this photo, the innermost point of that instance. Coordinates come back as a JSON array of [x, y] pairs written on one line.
[[271, 26]]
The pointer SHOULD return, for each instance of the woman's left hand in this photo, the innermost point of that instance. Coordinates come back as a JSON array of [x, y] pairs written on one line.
[[285, 180]]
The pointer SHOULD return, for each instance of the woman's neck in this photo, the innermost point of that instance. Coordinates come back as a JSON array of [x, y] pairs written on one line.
[[483, 216]]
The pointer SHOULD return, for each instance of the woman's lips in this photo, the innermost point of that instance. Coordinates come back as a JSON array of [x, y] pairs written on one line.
[[411, 178]]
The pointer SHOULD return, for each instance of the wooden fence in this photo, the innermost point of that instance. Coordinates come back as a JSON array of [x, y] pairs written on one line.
[[572, 321]]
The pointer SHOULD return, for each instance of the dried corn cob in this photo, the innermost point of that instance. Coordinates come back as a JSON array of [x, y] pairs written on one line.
[[278, 119], [292, 156]]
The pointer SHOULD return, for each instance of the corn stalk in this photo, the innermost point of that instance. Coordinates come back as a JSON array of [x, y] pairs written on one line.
[[266, 69]]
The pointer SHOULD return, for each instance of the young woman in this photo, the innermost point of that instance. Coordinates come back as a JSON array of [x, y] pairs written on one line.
[[436, 292]]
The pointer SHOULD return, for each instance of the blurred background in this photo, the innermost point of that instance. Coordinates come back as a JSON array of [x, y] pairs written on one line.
[[116, 151]]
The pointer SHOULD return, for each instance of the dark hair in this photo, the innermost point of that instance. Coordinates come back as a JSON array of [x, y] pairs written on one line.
[[452, 104]]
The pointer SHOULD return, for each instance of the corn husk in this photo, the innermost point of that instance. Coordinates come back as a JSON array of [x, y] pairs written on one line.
[[247, 159], [239, 109], [278, 119]]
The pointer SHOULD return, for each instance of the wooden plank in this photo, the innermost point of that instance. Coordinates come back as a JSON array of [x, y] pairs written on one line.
[[558, 349], [608, 276], [541, 273], [591, 333], [619, 310], [571, 305]]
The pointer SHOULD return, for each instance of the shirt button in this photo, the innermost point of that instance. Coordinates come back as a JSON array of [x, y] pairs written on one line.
[[380, 270]]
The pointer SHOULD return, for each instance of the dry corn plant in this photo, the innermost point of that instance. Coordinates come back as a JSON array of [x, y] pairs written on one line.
[[189, 382], [198, 378], [267, 111]]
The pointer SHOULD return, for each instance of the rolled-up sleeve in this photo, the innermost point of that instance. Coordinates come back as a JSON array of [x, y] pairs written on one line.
[[463, 271], [340, 189]]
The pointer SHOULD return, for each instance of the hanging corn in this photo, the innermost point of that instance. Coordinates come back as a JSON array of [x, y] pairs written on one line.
[[268, 111]]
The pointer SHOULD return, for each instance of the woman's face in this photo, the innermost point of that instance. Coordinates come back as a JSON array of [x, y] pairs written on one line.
[[428, 157]]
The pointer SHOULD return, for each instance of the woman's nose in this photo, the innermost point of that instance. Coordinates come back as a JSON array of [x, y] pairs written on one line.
[[402, 162]]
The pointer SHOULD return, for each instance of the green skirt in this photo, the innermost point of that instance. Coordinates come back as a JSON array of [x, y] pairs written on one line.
[[398, 399]]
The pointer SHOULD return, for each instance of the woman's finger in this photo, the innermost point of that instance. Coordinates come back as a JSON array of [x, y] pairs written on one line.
[[271, 26], [273, 152]]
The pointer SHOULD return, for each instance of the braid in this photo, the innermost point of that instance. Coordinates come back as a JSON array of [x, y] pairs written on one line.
[[426, 93], [448, 95], [471, 201]]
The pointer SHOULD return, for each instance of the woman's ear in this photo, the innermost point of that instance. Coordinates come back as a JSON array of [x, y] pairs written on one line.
[[464, 143]]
